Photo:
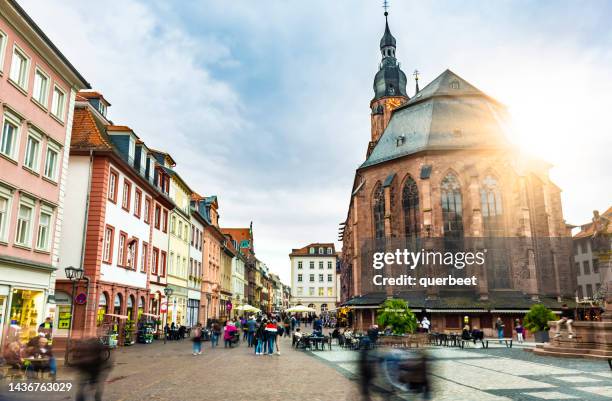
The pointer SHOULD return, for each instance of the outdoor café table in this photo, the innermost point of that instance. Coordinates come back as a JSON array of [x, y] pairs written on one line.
[[37, 365], [316, 340]]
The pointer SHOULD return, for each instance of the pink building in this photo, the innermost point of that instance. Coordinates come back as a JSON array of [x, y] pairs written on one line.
[[37, 90]]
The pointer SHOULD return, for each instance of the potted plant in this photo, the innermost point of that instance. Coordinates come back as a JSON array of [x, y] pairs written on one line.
[[536, 321], [129, 332], [395, 313]]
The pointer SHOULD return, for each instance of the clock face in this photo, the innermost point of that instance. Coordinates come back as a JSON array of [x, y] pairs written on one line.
[[393, 103]]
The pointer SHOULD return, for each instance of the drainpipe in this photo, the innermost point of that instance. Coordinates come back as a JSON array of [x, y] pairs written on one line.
[[87, 304]]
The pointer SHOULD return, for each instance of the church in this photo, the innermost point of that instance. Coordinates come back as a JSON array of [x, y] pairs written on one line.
[[440, 174]]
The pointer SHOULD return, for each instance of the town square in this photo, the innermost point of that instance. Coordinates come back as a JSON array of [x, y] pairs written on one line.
[[288, 200]]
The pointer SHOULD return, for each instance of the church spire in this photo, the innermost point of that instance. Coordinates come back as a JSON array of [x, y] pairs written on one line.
[[390, 80]]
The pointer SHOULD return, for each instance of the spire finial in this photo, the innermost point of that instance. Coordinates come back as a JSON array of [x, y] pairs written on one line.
[[386, 7], [416, 80]]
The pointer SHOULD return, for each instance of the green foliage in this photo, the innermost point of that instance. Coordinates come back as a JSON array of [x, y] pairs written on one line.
[[538, 317], [395, 313]]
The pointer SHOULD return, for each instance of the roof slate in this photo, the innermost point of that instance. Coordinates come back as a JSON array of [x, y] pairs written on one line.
[[449, 113]]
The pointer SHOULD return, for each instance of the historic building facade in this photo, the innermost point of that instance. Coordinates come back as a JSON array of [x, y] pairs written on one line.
[[111, 179], [313, 276], [439, 174], [590, 269], [38, 86]]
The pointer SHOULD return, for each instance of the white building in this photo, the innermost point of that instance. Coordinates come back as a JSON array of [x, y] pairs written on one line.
[[589, 275], [313, 276]]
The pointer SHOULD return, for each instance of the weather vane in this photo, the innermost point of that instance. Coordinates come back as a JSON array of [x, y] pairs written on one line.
[[386, 7]]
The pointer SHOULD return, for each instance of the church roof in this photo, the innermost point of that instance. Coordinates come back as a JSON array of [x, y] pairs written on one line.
[[449, 113]]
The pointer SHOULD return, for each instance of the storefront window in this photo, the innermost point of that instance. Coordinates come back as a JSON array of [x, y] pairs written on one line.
[[102, 309], [117, 305], [26, 311], [130, 307], [3, 300], [140, 307]]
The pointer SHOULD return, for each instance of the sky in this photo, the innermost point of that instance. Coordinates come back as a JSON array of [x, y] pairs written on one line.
[[266, 104]]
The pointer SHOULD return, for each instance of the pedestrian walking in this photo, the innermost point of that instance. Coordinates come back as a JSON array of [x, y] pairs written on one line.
[[216, 332], [251, 327], [287, 326], [499, 326], [271, 332], [425, 324], [519, 331], [260, 334], [228, 333], [197, 340]]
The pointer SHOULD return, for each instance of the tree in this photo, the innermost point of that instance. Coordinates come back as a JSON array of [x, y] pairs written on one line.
[[537, 318], [395, 313]]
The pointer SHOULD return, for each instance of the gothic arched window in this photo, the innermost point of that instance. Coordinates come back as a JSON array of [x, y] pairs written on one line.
[[491, 205], [378, 210], [452, 215], [410, 206]]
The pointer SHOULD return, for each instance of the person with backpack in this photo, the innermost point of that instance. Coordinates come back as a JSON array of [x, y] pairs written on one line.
[[197, 340], [216, 332], [260, 335]]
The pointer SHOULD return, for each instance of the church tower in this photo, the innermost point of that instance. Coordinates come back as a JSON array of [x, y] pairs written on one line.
[[389, 87]]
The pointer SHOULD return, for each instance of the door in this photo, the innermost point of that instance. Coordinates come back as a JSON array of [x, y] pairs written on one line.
[[508, 326]]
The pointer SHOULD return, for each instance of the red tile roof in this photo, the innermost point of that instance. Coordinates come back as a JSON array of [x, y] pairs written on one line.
[[86, 133], [305, 250], [92, 95]]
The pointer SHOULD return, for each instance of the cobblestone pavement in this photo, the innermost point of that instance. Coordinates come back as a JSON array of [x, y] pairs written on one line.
[[499, 373], [159, 372]]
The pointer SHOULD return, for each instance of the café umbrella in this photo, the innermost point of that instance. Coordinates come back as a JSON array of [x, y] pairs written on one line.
[[300, 309], [248, 308]]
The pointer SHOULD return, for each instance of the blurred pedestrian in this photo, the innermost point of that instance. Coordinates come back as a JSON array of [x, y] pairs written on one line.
[[271, 331], [197, 340], [499, 326], [260, 335], [425, 324], [93, 364], [216, 332], [519, 331]]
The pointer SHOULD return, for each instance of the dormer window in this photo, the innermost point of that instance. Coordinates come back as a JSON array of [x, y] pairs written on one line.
[[102, 108], [320, 251], [329, 251], [400, 140], [312, 251]]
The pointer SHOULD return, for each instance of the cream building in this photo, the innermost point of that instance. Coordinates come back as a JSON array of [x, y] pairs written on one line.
[[313, 276]]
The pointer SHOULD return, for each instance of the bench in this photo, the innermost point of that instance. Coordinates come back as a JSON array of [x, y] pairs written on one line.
[[507, 341]]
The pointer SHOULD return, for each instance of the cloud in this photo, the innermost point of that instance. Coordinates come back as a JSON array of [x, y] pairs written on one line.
[[266, 105]]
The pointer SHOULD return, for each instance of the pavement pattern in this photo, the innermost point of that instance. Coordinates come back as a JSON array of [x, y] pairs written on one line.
[[160, 372], [497, 374]]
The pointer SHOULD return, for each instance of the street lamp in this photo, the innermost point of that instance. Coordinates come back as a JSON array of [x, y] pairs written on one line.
[[167, 293], [74, 275]]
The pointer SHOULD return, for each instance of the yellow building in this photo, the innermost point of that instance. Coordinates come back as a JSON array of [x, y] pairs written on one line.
[[227, 254], [178, 249]]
